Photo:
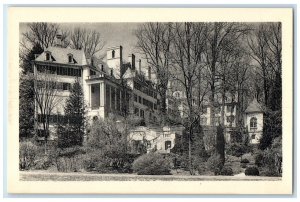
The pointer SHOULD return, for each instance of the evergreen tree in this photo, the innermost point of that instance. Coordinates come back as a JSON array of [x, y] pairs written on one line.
[[220, 144], [272, 129], [26, 94], [72, 133]]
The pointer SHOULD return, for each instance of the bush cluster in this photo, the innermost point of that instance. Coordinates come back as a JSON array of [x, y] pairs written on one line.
[[214, 164], [27, 155], [253, 171], [269, 162], [226, 171], [32, 156], [245, 161], [96, 160], [70, 159], [152, 164]]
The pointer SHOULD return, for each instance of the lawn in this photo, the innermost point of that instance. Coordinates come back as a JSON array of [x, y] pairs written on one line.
[[55, 176]]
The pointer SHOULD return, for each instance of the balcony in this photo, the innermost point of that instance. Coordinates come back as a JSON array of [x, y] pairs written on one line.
[[95, 107], [97, 76]]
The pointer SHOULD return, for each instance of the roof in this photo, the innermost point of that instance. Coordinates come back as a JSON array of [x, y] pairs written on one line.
[[97, 64], [254, 106], [60, 55]]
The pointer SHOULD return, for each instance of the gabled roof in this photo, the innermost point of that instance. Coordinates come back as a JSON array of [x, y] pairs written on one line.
[[60, 55], [97, 64], [254, 106]]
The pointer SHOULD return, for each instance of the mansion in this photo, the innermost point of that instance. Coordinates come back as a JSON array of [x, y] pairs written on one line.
[[118, 85]]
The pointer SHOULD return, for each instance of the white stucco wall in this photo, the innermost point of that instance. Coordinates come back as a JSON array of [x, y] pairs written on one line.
[[254, 133]]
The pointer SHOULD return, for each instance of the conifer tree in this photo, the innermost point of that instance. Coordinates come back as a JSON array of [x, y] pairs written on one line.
[[220, 144], [72, 132], [26, 94]]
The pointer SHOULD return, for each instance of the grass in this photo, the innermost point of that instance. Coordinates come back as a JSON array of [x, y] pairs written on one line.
[[44, 176]]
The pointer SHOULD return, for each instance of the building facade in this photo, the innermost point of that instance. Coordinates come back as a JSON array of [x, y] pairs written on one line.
[[119, 87], [253, 119], [114, 86]]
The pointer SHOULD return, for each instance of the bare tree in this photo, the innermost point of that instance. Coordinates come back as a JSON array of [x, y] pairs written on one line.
[[259, 52], [219, 34], [88, 40], [188, 47], [46, 96], [154, 42], [44, 34]]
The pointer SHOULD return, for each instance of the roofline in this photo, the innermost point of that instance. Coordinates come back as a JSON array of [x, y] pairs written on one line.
[[113, 47], [55, 63], [253, 111]]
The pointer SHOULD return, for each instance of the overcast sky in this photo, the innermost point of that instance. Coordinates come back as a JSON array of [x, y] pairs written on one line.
[[114, 34]]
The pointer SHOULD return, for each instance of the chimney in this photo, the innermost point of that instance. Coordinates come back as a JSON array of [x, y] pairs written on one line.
[[58, 40], [149, 73], [131, 59], [92, 61], [140, 66]]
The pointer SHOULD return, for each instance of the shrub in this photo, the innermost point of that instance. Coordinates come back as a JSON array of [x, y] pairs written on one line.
[[226, 171], [43, 163], [202, 168], [70, 159], [27, 155], [214, 163], [238, 149], [270, 172], [271, 162], [243, 165], [252, 171], [259, 157], [152, 164], [96, 160], [245, 161]]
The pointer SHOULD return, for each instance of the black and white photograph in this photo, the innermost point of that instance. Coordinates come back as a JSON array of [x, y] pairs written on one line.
[[151, 101]]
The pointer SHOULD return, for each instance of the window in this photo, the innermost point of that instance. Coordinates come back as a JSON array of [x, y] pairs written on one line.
[[229, 108], [193, 102], [253, 122], [253, 136], [142, 113], [168, 145], [217, 121], [52, 70], [230, 119], [92, 72], [203, 121], [113, 54], [70, 58], [107, 100], [135, 98], [66, 86], [48, 55], [177, 95], [95, 118], [93, 89], [218, 110], [140, 100], [204, 110], [136, 111]]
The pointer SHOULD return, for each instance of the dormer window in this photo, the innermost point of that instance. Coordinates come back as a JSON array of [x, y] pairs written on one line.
[[48, 56], [70, 58], [253, 122], [113, 54]]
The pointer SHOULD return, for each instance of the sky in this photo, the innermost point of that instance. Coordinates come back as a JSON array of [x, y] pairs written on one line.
[[114, 34]]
